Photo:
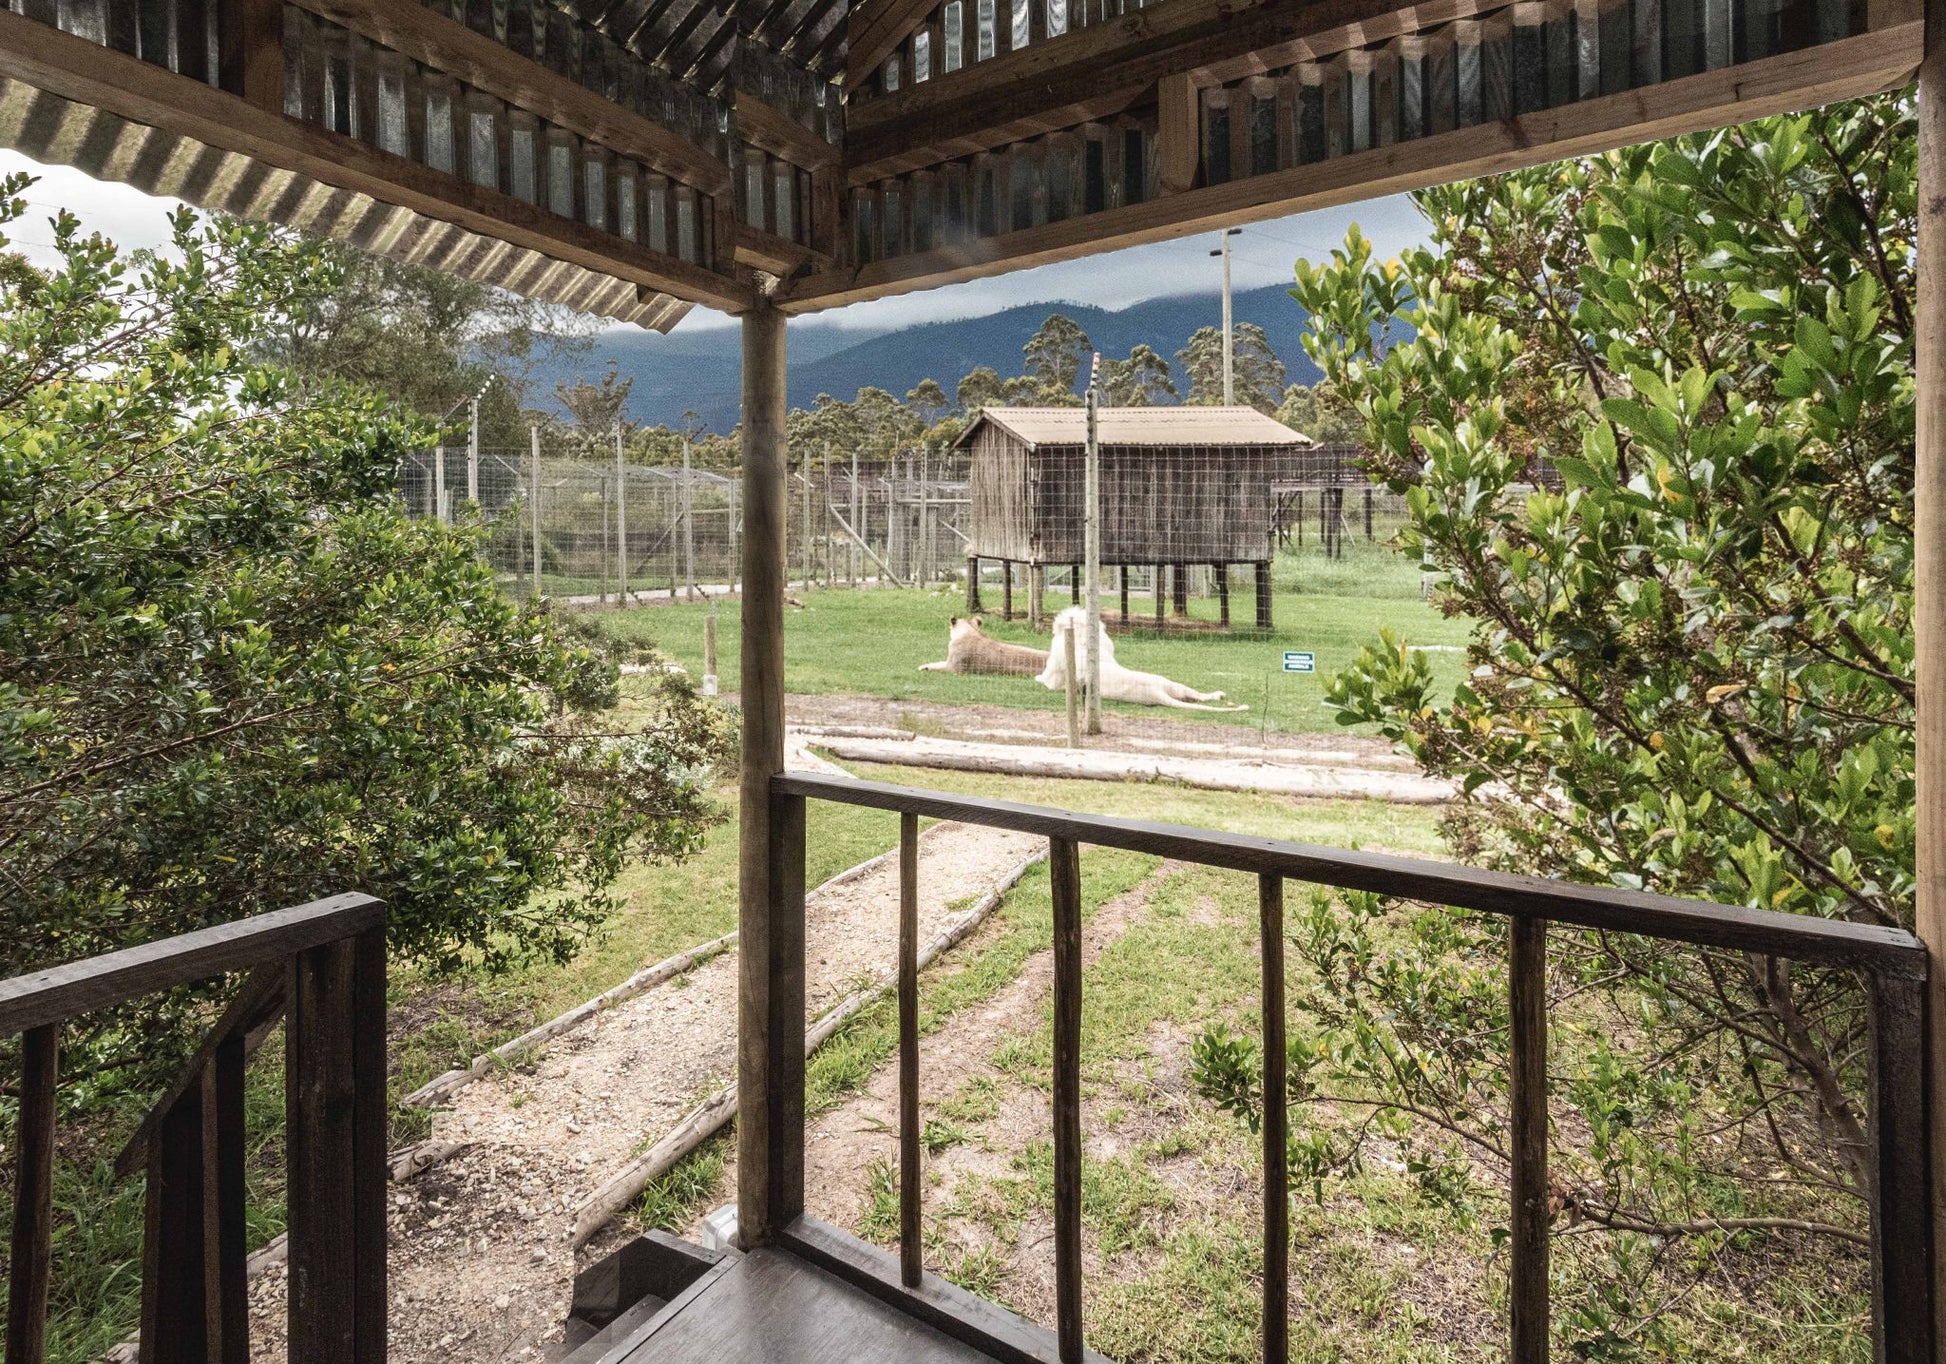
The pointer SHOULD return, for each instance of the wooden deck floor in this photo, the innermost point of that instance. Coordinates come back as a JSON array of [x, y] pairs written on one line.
[[770, 1306]]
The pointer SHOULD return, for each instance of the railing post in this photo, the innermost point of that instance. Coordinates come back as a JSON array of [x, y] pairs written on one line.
[[334, 1076], [1527, 1044], [1903, 1253], [910, 1265], [1064, 871], [1276, 1125], [33, 1230], [195, 1290]]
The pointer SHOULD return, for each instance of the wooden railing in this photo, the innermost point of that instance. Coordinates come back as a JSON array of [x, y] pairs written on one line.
[[322, 967], [1892, 962]]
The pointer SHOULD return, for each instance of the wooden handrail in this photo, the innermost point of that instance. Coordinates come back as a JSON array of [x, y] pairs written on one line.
[[59, 993], [1889, 952], [1893, 960], [324, 965]]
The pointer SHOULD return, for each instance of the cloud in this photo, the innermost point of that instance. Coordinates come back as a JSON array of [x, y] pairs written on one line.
[[123, 214]]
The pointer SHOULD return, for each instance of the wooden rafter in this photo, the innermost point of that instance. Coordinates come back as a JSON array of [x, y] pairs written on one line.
[[878, 27], [439, 42], [1097, 72], [75, 69], [1845, 69]]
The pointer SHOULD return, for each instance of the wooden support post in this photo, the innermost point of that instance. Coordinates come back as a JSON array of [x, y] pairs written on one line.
[[1036, 594], [1006, 589], [1368, 514], [1263, 594], [226, 1279], [770, 883], [1179, 581], [534, 496], [33, 1230], [1929, 608], [857, 522], [1121, 576], [910, 1266], [1161, 593], [972, 584], [334, 1078], [1223, 593], [806, 549], [1276, 1126], [1064, 873], [173, 1317], [1073, 688], [1527, 1065], [1903, 1247]]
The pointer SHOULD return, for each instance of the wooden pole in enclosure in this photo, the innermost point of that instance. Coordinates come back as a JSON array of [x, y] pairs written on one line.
[[805, 472], [1929, 605], [621, 520], [824, 525], [1074, 686], [1527, 1141], [770, 854], [710, 683], [439, 483], [534, 496], [857, 525], [924, 575]]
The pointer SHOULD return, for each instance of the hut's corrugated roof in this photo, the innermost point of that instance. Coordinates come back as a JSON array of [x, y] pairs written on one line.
[[1141, 426]]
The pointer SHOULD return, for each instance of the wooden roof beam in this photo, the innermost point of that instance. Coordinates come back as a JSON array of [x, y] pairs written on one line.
[[764, 125], [876, 28], [75, 69], [1846, 69], [486, 65], [1095, 73]]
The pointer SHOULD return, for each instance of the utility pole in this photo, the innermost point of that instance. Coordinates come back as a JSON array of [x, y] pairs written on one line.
[[1229, 378], [1091, 548]]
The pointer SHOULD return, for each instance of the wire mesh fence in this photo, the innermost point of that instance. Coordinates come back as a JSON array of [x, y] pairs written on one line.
[[595, 531], [879, 554]]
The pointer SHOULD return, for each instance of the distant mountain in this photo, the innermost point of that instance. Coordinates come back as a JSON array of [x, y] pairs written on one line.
[[699, 371]]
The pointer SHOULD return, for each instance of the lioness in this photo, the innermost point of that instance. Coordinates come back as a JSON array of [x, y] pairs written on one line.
[[968, 650]]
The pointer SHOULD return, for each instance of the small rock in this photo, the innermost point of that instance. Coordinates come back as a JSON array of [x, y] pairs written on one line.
[[500, 1303]]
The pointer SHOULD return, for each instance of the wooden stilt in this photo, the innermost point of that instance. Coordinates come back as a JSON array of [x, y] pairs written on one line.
[[1121, 575], [1263, 594], [972, 584], [1223, 593], [1006, 589]]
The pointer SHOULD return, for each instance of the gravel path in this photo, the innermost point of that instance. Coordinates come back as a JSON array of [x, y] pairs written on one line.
[[481, 1265]]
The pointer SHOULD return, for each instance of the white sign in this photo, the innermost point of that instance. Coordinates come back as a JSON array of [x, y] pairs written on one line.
[[1300, 662]]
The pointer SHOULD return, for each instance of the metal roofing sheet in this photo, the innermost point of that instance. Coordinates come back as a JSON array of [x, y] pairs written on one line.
[[1141, 426]]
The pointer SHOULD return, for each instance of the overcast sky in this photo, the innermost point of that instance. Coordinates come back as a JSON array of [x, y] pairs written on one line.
[[1262, 255]]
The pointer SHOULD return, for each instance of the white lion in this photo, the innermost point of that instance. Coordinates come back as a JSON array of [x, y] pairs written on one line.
[[1117, 683]]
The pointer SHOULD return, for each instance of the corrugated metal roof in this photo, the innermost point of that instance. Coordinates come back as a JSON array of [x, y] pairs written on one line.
[[1140, 426]]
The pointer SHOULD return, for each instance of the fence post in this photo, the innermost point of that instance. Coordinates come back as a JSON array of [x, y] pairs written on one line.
[[473, 451], [857, 525], [439, 483], [1903, 1253], [688, 527], [1064, 874], [1073, 687], [621, 519], [805, 473]]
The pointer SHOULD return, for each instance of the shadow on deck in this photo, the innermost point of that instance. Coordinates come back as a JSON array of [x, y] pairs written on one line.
[[818, 1297]]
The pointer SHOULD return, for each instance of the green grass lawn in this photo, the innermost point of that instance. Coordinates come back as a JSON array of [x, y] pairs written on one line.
[[872, 642]]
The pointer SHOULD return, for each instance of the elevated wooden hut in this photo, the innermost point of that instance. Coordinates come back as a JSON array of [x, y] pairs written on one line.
[[1179, 486]]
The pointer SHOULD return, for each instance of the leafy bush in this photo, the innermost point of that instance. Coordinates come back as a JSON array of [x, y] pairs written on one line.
[[234, 675], [1652, 413]]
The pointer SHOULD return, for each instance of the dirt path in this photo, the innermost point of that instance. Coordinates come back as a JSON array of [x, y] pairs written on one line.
[[843, 1146], [481, 1264]]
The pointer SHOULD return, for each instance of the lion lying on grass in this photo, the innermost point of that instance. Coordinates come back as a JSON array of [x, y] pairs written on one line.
[[1118, 683], [969, 650]]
